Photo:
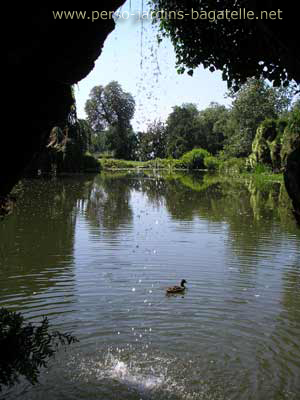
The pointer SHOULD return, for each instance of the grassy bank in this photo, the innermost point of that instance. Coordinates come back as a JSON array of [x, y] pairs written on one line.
[[197, 159], [192, 160]]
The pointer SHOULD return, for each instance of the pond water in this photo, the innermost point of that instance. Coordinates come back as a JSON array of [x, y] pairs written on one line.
[[95, 255]]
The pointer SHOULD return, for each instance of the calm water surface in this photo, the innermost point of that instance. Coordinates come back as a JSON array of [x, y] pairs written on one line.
[[96, 254]]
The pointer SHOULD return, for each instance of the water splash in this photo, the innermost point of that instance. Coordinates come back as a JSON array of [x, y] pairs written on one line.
[[131, 375], [139, 375]]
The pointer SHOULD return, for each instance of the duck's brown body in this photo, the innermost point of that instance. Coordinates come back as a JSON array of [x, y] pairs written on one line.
[[177, 289]]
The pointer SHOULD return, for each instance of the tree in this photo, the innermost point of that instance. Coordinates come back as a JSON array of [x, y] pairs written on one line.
[[252, 104], [240, 47], [110, 108], [212, 122], [99, 142], [296, 104], [85, 134], [152, 143], [121, 141], [25, 348], [183, 132]]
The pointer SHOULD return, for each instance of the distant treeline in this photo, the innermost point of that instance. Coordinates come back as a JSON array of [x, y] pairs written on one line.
[[225, 132]]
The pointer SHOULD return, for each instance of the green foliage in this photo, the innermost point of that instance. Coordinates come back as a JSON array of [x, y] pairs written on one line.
[[187, 128], [84, 133], [212, 125], [122, 142], [183, 132], [90, 164], [291, 138], [255, 102], [178, 164], [111, 109], [269, 129], [152, 143], [290, 155], [240, 48], [158, 163], [262, 169], [296, 104], [74, 157], [99, 143], [24, 348], [274, 140], [194, 159], [265, 145], [109, 106], [281, 124], [110, 163], [217, 129], [66, 149], [233, 166], [211, 163]]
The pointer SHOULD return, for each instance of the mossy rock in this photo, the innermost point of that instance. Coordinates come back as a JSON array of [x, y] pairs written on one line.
[[275, 148], [291, 139], [251, 161], [290, 154], [266, 146], [260, 149], [263, 152], [269, 129]]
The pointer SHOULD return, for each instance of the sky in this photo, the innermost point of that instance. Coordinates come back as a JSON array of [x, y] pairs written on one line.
[[132, 56]]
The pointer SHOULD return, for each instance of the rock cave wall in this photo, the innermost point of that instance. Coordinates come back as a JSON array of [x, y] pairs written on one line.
[[45, 57]]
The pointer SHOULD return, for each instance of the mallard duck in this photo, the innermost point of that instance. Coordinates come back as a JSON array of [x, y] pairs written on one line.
[[177, 289]]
